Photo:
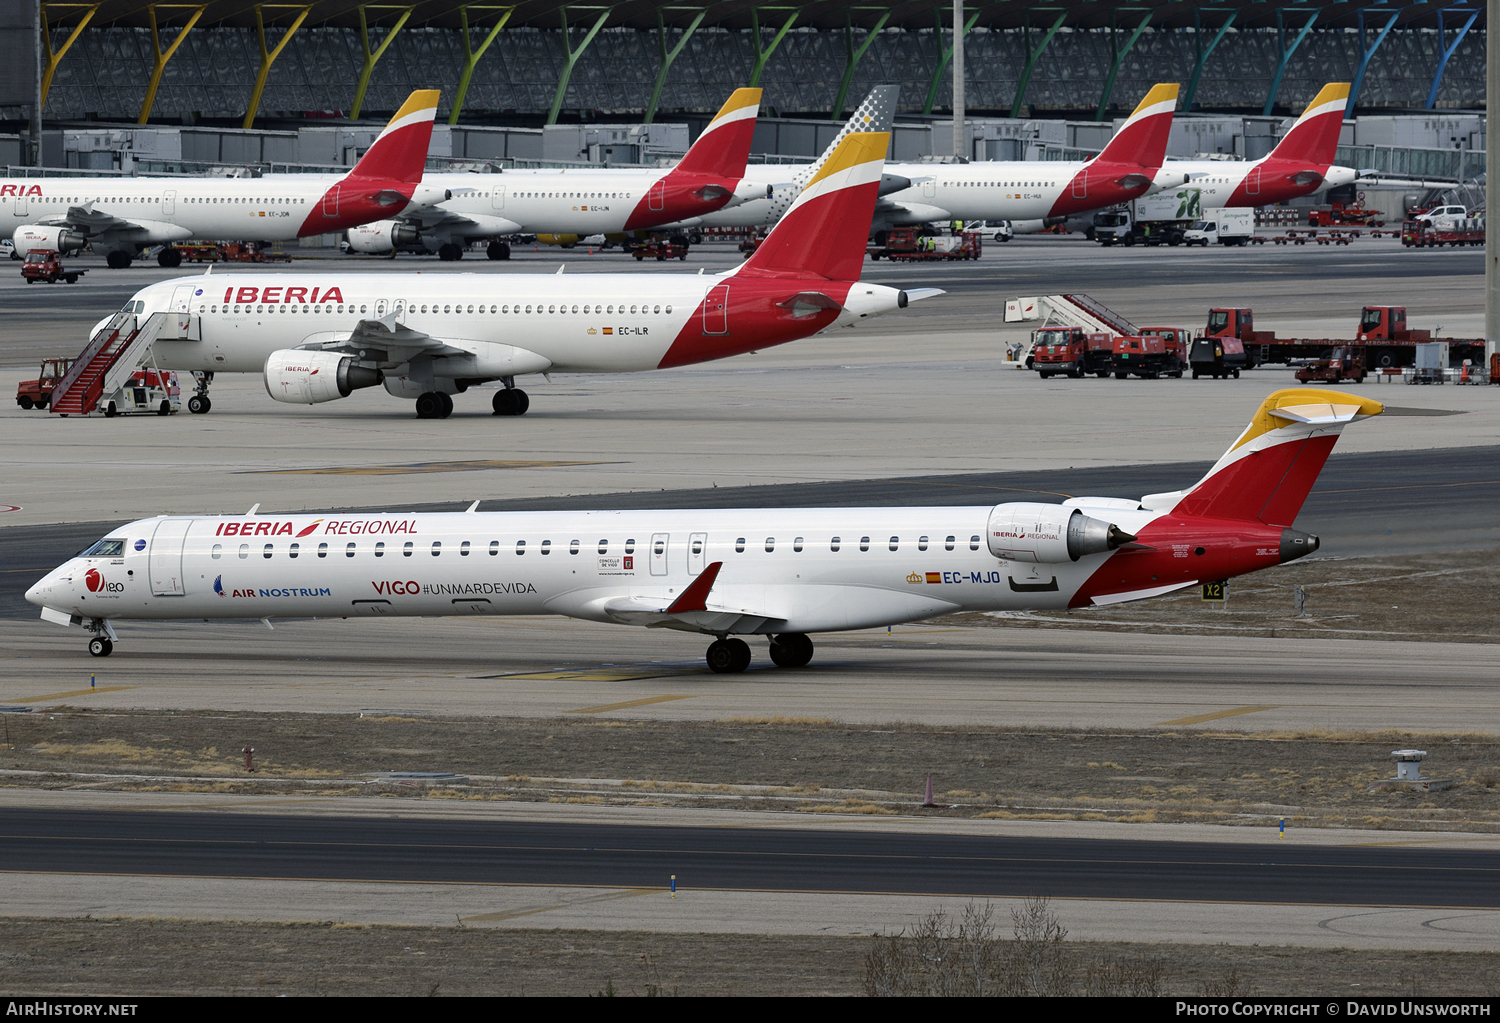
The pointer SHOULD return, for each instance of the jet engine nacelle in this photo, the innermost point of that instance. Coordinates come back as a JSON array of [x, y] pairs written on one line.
[[307, 378], [31, 237], [1050, 533], [382, 236]]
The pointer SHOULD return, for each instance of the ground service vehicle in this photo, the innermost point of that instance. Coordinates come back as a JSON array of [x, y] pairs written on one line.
[[1382, 334], [1218, 357], [147, 390], [1336, 365], [44, 266], [906, 245], [1147, 356], [1231, 226], [38, 393], [778, 573], [1430, 234], [1158, 219], [1071, 351], [1341, 214]]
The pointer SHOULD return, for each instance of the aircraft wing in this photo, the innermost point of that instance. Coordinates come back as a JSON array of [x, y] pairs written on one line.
[[397, 341], [431, 218], [89, 221], [692, 611]]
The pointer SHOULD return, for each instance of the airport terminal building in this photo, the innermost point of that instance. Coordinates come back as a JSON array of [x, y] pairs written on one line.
[[242, 64]]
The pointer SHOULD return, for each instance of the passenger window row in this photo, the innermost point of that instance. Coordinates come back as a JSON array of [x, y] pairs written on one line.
[[435, 548]]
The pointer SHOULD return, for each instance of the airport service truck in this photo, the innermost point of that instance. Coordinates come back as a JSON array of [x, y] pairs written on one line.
[[1382, 336], [1160, 219], [1228, 225]]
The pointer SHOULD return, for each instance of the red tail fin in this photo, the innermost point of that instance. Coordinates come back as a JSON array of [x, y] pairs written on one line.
[[724, 146], [1315, 136], [824, 233], [1142, 139], [1270, 470], [400, 153]]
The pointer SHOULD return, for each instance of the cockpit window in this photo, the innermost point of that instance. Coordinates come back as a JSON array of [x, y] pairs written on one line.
[[106, 549]]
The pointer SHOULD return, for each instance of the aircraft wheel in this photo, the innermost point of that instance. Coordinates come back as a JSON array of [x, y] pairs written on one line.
[[449, 252], [498, 250], [101, 646], [510, 401], [430, 406], [117, 260], [169, 258], [446, 401], [199, 404], [728, 656], [791, 650]]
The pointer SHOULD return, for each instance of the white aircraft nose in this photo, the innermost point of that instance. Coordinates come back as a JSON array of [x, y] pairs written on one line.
[[34, 595]]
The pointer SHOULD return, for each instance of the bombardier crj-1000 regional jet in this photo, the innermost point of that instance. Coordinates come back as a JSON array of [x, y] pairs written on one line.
[[120, 216], [430, 336], [781, 573]]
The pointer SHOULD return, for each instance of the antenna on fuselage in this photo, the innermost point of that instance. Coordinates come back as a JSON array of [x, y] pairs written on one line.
[[472, 508], [254, 508], [560, 269]]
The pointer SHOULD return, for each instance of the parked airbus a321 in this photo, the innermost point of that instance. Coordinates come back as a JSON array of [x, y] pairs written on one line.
[[779, 573], [428, 337]]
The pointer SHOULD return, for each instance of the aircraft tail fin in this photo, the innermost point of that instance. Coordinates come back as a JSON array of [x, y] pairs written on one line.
[[824, 232], [1315, 136], [724, 146], [1142, 139], [1268, 472], [399, 153], [876, 113]]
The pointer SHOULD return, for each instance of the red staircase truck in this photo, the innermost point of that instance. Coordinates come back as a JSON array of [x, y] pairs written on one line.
[[1148, 356], [1383, 337], [1071, 351]]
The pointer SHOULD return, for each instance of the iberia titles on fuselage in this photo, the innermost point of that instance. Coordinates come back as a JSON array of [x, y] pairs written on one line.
[[430, 336]]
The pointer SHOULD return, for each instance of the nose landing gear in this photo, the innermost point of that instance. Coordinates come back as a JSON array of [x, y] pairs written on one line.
[[199, 403], [101, 646]]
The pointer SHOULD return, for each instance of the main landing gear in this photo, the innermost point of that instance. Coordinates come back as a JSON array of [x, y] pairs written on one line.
[[510, 401], [732, 656], [448, 252], [498, 250], [199, 404], [434, 405]]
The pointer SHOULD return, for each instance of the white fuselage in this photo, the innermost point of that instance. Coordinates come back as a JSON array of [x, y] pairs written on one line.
[[783, 570], [276, 208], [579, 202], [596, 323]]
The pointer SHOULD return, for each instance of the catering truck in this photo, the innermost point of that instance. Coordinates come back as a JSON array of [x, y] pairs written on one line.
[[1230, 225], [1160, 219]]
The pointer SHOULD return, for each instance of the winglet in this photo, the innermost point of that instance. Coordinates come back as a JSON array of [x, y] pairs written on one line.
[[695, 597]]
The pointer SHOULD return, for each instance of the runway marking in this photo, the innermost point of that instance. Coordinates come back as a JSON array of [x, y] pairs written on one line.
[[600, 674], [952, 894], [1411, 486], [75, 692], [416, 467], [628, 703], [1200, 718], [611, 897]]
